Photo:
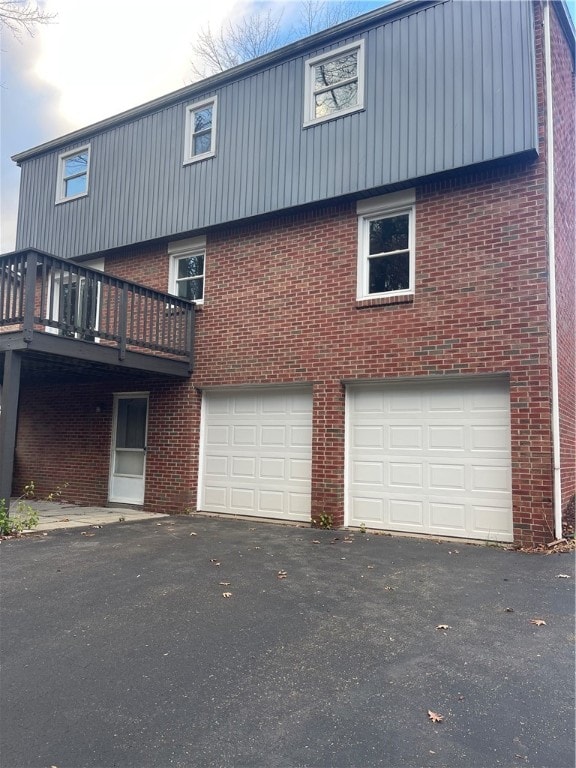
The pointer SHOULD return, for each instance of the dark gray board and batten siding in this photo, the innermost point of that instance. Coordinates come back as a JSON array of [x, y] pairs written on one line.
[[448, 85]]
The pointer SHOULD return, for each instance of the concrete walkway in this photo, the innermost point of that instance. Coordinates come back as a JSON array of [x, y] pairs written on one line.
[[55, 515]]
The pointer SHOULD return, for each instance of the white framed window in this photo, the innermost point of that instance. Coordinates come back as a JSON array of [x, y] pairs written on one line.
[[187, 265], [334, 83], [73, 171], [200, 133], [386, 245]]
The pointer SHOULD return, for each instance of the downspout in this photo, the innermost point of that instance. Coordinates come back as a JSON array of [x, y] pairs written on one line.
[[557, 499]]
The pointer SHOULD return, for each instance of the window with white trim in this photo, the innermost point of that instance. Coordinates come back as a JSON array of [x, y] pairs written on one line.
[[386, 257], [187, 265], [334, 83], [73, 170], [200, 134]]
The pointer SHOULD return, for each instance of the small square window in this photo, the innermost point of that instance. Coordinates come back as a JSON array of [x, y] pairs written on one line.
[[73, 170], [334, 84], [200, 131], [187, 261], [386, 246]]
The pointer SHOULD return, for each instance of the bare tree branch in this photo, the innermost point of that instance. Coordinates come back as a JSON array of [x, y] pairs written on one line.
[[315, 15], [244, 39], [20, 16], [236, 42]]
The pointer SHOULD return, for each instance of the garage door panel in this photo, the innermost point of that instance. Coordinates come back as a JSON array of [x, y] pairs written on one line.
[[273, 468], [299, 470], [404, 403], [244, 404], [218, 435], [451, 476], [403, 474], [367, 510], [367, 472], [488, 519], [243, 466], [217, 465], [242, 499], [274, 435], [244, 435], [406, 513], [442, 401], [368, 437], [448, 471], [298, 505], [490, 438], [216, 497], [405, 437], [274, 404], [256, 454], [490, 398], [369, 402], [270, 502], [447, 438], [491, 478], [301, 437], [450, 517]]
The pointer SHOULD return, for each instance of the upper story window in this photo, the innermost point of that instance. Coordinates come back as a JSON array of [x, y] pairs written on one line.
[[187, 262], [200, 131], [386, 246], [334, 83], [73, 170]]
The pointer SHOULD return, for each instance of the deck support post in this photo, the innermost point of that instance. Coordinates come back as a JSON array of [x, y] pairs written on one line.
[[8, 421]]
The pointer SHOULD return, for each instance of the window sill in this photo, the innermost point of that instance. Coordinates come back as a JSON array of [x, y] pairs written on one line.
[[384, 301], [198, 158], [312, 121], [61, 200]]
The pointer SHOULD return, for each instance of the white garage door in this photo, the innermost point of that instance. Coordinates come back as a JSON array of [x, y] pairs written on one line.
[[256, 454], [431, 458]]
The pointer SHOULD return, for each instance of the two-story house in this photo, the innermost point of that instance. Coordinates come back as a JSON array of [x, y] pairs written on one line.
[[335, 282]]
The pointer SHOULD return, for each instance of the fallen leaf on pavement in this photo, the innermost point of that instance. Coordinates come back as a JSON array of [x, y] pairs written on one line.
[[538, 622], [435, 717]]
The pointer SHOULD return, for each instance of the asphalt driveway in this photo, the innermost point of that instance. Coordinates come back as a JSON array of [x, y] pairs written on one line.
[[119, 649]]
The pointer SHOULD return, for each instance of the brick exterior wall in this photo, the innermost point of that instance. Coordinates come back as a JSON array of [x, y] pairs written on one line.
[[563, 85], [280, 307]]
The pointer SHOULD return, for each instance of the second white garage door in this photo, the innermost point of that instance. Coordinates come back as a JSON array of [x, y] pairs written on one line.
[[431, 458], [256, 453]]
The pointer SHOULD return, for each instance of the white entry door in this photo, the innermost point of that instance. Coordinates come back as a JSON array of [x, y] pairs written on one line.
[[128, 460], [431, 457]]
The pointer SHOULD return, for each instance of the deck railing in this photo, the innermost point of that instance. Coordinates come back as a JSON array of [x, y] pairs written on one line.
[[46, 294]]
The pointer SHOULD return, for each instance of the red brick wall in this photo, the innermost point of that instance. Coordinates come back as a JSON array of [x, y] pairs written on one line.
[[563, 83], [65, 431]]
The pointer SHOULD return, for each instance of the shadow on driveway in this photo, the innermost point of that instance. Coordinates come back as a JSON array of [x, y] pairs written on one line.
[[119, 649]]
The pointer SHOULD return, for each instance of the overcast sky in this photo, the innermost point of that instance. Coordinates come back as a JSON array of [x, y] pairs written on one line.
[[98, 58]]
